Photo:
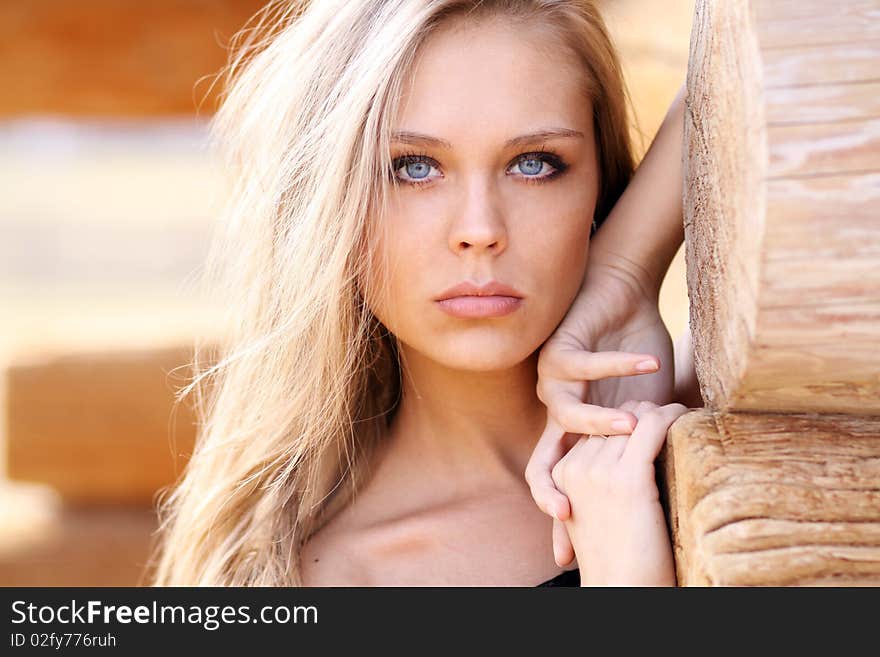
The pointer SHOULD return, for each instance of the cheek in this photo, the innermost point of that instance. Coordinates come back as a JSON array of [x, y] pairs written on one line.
[[558, 276], [558, 252], [399, 261]]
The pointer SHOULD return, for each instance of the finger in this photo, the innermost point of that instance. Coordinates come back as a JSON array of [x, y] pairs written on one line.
[[550, 389], [643, 407], [563, 551], [581, 454], [591, 446], [649, 436], [582, 365], [585, 449], [614, 447], [574, 416], [548, 451]]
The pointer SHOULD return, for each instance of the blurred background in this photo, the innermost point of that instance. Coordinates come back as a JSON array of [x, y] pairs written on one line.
[[107, 197]]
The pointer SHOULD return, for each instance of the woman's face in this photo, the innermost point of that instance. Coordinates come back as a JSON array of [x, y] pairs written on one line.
[[498, 180]]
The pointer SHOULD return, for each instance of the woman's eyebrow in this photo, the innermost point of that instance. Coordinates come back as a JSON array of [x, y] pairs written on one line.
[[541, 135], [408, 137]]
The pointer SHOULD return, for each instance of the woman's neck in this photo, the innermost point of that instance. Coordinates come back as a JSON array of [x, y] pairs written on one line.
[[467, 428]]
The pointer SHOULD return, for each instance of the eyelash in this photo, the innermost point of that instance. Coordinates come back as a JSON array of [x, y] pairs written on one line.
[[545, 155]]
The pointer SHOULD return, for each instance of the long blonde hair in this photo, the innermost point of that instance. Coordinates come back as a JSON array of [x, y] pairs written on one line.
[[293, 400]]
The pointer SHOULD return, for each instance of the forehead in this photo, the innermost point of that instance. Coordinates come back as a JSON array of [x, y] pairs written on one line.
[[496, 75]]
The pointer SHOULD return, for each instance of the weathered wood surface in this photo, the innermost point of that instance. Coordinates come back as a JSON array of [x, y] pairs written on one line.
[[766, 499], [792, 23], [782, 205], [98, 427], [777, 481]]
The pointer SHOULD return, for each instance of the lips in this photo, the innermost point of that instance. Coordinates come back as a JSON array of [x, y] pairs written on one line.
[[470, 301]]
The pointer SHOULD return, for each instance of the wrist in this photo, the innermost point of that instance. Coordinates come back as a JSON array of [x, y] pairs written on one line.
[[656, 570], [613, 262], [628, 580], [635, 552]]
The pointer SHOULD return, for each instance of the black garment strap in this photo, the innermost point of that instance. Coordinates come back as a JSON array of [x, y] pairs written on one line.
[[566, 578]]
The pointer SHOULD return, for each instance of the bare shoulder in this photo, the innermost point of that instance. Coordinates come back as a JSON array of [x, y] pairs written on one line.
[[363, 545], [331, 558]]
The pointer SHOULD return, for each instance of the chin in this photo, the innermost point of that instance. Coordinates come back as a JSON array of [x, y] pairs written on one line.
[[485, 355]]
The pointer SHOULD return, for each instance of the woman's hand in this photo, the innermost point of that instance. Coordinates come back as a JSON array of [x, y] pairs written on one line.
[[617, 525], [614, 324], [594, 357]]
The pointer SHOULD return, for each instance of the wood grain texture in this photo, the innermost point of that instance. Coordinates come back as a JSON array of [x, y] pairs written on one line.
[[792, 23], [823, 149], [766, 499], [99, 427], [826, 103], [782, 206], [820, 64], [724, 168]]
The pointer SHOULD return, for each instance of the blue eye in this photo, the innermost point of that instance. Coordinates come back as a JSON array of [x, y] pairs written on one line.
[[414, 169], [531, 166], [417, 169]]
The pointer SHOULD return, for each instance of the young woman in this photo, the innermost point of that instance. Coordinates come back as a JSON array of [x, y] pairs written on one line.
[[415, 184]]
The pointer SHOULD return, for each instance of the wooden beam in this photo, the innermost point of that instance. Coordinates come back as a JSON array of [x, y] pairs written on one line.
[[782, 185], [777, 481], [98, 427], [114, 57], [788, 23], [776, 500]]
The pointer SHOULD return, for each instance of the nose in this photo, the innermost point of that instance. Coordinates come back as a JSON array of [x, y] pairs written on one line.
[[478, 223]]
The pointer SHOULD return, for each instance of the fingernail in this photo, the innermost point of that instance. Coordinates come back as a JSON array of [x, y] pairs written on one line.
[[646, 366], [621, 425]]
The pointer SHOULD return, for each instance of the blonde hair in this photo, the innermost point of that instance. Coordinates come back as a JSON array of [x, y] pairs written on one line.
[[296, 396]]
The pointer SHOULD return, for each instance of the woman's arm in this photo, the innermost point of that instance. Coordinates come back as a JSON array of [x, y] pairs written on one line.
[[645, 228], [658, 185]]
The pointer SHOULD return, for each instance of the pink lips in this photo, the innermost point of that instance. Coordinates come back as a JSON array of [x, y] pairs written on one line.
[[470, 301]]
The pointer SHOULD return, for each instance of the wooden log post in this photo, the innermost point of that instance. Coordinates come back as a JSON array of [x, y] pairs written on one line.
[[777, 481]]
